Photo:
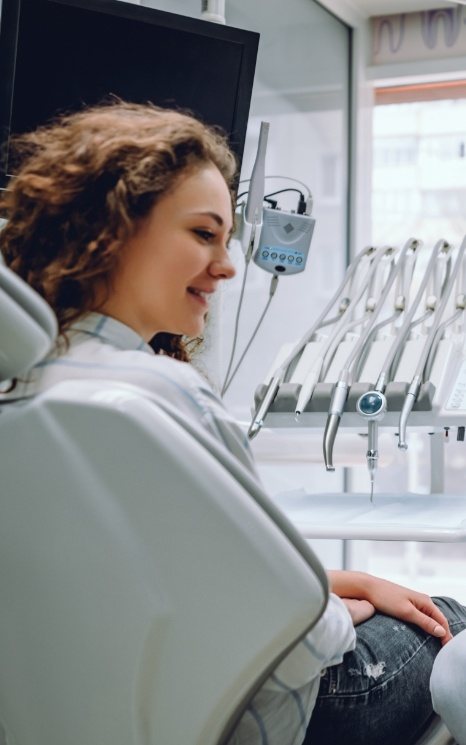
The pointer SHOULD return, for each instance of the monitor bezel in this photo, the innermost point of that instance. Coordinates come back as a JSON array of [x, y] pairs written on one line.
[[9, 31]]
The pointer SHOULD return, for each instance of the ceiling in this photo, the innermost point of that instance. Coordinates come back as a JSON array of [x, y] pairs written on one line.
[[385, 7]]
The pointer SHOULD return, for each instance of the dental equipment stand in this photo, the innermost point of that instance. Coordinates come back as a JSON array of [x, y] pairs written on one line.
[[399, 517], [438, 412]]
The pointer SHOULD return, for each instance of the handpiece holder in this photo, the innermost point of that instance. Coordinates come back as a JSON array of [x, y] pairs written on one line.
[[252, 217]]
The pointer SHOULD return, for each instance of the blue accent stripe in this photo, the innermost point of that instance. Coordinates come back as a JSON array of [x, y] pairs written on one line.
[[310, 647], [297, 699], [260, 724], [95, 335], [100, 324]]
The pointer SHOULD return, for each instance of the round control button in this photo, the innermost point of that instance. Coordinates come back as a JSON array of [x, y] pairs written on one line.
[[273, 255], [290, 259], [371, 403], [282, 257], [265, 254], [299, 260]]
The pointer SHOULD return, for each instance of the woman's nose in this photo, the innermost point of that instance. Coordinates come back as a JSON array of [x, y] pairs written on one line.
[[222, 268]]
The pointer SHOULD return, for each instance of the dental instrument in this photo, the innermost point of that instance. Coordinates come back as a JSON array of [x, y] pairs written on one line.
[[345, 378], [372, 405], [280, 372], [400, 303], [417, 380], [459, 308], [342, 326], [370, 288]]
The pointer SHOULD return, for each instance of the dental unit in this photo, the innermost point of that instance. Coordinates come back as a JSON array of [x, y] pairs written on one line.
[[388, 348]]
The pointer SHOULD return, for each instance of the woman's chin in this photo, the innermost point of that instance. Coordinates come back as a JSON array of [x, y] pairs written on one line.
[[191, 330], [196, 331]]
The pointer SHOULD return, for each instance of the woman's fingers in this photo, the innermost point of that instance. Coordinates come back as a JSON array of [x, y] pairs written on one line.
[[425, 622], [428, 617], [393, 600], [359, 610]]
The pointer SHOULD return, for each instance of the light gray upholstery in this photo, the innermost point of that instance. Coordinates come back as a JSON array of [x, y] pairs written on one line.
[[27, 326], [146, 592]]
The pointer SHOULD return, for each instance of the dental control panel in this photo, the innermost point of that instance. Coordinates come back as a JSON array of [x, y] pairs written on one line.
[[284, 241]]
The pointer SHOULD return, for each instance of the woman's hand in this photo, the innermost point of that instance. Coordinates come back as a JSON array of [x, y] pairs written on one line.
[[393, 600], [359, 610]]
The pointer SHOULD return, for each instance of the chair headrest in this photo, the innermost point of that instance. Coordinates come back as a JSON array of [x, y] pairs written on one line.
[[28, 327]]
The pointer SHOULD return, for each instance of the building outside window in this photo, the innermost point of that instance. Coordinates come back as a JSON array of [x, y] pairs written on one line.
[[419, 189]]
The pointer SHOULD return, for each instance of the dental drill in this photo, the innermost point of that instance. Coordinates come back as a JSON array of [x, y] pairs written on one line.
[[459, 308], [372, 405], [431, 274], [343, 385], [401, 295], [418, 377], [280, 373], [388, 363], [342, 326]]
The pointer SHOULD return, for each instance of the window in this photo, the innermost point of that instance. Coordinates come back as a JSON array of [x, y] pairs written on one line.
[[419, 163], [419, 189]]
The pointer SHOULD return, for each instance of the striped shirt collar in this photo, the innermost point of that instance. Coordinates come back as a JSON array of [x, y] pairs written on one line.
[[111, 331]]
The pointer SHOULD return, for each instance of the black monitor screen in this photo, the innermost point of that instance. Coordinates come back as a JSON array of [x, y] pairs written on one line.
[[60, 55]]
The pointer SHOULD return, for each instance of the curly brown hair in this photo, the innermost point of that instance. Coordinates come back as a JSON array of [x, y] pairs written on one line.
[[83, 183]]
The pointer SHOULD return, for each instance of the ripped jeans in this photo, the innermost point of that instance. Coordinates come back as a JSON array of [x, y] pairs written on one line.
[[379, 694]]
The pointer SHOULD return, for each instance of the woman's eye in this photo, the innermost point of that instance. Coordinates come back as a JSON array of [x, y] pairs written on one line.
[[206, 235]]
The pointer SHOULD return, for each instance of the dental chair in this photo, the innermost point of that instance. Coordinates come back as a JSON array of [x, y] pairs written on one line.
[[148, 586]]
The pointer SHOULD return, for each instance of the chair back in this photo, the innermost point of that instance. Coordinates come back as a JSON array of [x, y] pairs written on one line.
[[27, 326], [148, 587]]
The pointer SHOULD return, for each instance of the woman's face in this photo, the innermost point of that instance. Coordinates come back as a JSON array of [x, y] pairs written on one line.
[[168, 271]]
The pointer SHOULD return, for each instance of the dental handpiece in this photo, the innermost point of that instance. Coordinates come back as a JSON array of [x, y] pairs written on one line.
[[343, 385], [258, 419], [280, 373], [408, 323], [459, 308], [408, 403], [319, 366], [372, 406], [415, 386], [337, 405], [372, 454]]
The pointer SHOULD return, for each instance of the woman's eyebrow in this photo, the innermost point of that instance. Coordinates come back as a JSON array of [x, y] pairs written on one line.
[[215, 216], [207, 213]]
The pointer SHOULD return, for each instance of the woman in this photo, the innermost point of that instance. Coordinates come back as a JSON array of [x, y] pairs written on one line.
[[120, 217]]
